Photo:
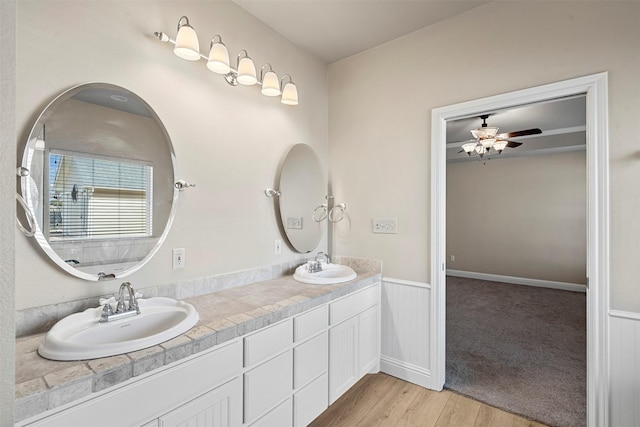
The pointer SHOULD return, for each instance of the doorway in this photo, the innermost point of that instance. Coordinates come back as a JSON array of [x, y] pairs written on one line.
[[595, 88]]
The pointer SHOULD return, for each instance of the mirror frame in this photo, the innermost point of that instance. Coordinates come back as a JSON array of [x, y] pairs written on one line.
[[26, 191]]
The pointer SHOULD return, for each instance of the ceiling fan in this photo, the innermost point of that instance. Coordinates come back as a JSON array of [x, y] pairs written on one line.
[[487, 139]]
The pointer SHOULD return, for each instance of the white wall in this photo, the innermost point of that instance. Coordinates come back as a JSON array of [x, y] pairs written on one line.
[[380, 103], [228, 140], [522, 217]]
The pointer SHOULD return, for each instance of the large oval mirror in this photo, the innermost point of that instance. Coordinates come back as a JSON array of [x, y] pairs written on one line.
[[302, 200], [98, 175]]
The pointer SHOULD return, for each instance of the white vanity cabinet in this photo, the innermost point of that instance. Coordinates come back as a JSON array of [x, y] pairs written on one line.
[[208, 383], [282, 375], [354, 339]]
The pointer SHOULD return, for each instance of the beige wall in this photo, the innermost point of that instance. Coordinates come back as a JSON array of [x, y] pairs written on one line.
[[380, 104], [7, 210], [521, 217], [228, 140]]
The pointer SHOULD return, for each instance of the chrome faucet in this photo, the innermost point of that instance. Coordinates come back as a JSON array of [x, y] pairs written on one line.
[[315, 265], [122, 310], [326, 258]]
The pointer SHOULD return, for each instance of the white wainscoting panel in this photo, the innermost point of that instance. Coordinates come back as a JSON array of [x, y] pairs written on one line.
[[624, 409], [405, 330]]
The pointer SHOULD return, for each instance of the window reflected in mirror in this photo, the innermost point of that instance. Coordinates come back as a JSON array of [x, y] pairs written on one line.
[[98, 197]]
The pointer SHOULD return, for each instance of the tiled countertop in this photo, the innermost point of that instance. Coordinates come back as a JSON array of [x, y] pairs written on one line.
[[43, 384]]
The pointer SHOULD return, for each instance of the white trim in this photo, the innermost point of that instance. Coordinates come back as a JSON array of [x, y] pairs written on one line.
[[630, 315], [405, 371], [406, 282], [595, 87], [539, 283]]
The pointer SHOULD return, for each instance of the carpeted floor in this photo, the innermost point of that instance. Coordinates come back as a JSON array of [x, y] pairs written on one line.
[[519, 348]]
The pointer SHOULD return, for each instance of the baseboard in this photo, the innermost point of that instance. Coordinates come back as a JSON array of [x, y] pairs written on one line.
[[629, 315], [405, 371], [574, 287]]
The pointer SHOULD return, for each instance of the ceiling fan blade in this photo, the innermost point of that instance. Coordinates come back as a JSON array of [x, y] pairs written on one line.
[[513, 144], [526, 132], [461, 151]]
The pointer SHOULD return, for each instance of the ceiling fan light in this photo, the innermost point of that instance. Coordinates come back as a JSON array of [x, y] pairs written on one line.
[[499, 146], [469, 147], [490, 131], [487, 143]]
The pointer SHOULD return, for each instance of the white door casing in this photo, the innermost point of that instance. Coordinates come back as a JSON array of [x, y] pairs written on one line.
[[595, 88]]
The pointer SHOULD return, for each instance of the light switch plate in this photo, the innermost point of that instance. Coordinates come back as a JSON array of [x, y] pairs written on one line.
[[385, 225]]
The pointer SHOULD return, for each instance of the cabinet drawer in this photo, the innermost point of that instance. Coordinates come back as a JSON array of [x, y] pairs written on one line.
[[266, 385], [311, 401], [282, 416], [310, 323], [353, 304], [310, 359], [267, 342]]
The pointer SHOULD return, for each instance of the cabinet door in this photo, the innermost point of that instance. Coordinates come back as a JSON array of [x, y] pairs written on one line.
[[369, 340], [266, 385], [221, 407], [344, 360]]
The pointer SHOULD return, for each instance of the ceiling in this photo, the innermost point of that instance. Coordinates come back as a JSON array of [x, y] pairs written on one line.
[[336, 29], [562, 122]]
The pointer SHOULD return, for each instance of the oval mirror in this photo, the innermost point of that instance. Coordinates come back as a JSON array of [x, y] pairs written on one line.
[[302, 200], [99, 180]]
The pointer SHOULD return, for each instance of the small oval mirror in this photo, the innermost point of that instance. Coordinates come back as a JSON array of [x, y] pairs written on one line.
[[100, 183], [302, 200]]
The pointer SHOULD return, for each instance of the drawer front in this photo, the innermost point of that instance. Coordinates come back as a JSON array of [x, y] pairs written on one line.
[[310, 323], [267, 342], [310, 359], [266, 385], [282, 416], [353, 304], [311, 401]]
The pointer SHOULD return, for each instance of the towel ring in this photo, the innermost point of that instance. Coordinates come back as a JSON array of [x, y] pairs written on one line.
[[30, 218], [340, 208], [320, 213]]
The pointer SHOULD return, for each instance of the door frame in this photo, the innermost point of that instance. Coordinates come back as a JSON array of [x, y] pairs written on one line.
[[595, 88]]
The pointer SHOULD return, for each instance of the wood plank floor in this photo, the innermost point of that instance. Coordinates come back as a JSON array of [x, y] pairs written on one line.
[[382, 400]]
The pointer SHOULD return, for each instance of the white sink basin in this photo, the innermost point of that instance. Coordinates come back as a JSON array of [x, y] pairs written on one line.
[[81, 336], [330, 274]]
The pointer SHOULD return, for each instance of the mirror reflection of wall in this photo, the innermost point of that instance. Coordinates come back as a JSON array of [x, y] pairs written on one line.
[[101, 181], [302, 189]]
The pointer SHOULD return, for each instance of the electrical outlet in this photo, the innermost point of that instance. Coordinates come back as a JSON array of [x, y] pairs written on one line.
[[453, 258], [277, 246], [179, 258], [385, 225]]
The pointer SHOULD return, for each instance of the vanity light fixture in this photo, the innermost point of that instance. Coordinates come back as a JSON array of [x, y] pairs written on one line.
[[187, 47], [289, 92], [218, 61], [270, 83]]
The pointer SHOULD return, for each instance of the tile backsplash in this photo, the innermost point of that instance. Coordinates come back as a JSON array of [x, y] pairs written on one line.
[[41, 319]]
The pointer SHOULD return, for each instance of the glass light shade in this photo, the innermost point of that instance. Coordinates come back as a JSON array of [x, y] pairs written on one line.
[[499, 146], [469, 147], [290, 94], [487, 143], [485, 132], [219, 59], [270, 84], [480, 150], [187, 46], [247, 72]]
